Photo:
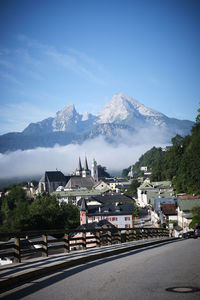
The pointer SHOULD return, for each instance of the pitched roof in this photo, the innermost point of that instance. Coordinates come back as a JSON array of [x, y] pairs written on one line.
[[96, 225], [77, 182], [112, 199], [110, 210], [155, 185], [162, 201], [187, 205], [83, 205], [53, 176], [169, 209]]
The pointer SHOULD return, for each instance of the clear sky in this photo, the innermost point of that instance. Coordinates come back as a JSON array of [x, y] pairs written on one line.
[[53, 53]]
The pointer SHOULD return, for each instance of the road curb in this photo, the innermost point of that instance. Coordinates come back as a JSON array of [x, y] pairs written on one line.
[[19, 278]]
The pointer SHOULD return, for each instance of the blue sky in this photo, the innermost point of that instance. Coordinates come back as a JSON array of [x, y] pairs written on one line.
[[53, 53]]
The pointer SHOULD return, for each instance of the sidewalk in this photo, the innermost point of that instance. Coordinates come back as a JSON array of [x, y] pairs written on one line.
[[15, 273]]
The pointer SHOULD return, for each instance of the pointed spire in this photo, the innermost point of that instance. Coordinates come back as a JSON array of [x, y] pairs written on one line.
[[79, 165], [86, 165], [83, 205]]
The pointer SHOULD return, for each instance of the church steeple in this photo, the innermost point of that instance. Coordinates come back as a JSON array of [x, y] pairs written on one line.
[[86, 165], [83, 212], [86, 172], [94, 170], [79, 165], [79, 169]]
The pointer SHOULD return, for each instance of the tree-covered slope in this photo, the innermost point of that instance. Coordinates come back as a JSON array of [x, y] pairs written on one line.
[[181, 163]]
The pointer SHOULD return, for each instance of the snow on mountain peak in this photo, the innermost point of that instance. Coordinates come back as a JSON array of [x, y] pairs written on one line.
[[85, 116], [64, 117], [67, 112], [122, 106]]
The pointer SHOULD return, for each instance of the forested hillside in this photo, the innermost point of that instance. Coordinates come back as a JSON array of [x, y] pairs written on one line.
[[19, 213], [181, 163]]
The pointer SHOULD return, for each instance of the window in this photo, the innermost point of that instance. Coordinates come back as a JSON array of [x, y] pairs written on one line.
[[127, 218], [127, 225]]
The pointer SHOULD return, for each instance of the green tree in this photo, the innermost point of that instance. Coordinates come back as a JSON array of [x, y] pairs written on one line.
[[125, 172], [102, 171], [71, 215], [133, 187], [47, 213], [14, 209], [196, 216]]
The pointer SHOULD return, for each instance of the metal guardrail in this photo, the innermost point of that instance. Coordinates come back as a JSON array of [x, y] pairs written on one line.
[[32, 242]]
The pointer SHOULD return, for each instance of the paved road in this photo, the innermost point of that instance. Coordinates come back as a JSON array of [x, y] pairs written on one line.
[[139, 274]]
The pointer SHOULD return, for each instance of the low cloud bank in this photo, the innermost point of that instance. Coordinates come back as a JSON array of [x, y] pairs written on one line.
[[124, 152]]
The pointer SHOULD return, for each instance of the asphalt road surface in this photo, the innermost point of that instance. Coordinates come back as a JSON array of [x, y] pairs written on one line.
[[140, 274]]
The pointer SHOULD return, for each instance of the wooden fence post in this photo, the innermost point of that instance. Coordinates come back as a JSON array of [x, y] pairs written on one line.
[[119, 238], [17, 250], [98, 240], [109, 237], [66, 243], [127, 235], [44, 246], [84, 240]]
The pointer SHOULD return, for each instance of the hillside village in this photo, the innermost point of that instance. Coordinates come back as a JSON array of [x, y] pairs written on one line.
[[110, 202]]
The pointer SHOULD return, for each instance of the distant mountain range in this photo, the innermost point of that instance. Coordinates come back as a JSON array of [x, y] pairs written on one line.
[[121, 114]]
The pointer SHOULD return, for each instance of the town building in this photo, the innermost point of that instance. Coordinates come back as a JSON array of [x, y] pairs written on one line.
[[56, 180], [73, 196], [117, 183], [148, 191], [184, 212], [51, 180], [117, 209]]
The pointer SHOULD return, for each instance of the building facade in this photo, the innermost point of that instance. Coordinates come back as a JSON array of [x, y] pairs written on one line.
[[118, 210]]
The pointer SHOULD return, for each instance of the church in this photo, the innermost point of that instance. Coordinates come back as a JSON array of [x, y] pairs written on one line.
[[85, 172], [84, 178]]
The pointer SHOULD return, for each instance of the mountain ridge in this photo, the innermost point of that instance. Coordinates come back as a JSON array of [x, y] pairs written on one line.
[[68, 126]]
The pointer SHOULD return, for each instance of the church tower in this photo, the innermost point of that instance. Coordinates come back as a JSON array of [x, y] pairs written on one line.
[[86, 172], [131, 173], [83, 212], [79, 169], [94, 171]]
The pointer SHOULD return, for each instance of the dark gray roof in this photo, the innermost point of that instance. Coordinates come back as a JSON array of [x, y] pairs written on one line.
[[112, 198], [96, 225], [83, 205], [67, 178], [77, 182], [53, 176], [110, 210]]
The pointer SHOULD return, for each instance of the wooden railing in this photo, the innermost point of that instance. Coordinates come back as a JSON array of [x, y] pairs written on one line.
[[46, 242]]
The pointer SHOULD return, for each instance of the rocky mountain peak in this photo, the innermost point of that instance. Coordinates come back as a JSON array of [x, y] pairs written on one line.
[[65, 118], [122, 107], [121, 114], [67, 112]]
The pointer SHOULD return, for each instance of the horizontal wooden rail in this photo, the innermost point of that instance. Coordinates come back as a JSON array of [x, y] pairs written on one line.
[[23, 243]]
